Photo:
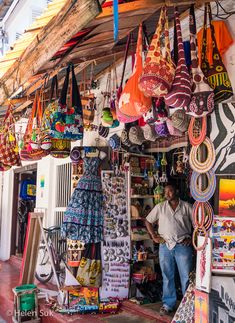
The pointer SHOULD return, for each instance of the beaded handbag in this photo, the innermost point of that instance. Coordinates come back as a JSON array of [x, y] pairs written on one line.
[[159, 71], [216, 73], [180, 93], [202, 101]]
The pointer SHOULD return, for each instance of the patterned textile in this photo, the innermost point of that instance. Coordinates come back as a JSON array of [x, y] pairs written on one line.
[[202, 101], [185, 311], [159, 70], [8, 154], [83, 219], [180, 93], [216, 72]]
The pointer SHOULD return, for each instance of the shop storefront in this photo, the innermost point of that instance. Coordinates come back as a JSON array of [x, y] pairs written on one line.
[[127, 153]]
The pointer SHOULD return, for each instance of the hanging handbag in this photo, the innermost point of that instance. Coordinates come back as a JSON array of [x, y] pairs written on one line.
[[9, 155], [133, 102], [202, 100], [60, 148], [89, 270], [51, 107], [216, 72], [32, 138], [88, 101], [180, 94], [66, 121], [159, 71], [120, 115]]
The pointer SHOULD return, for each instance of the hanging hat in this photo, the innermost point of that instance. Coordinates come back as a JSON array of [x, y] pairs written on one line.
[[149, 132], [107, 117], [75, 155], [114, 141], [103, 131], [125, 138], [46, 142], [172, 130], [161, 129], [136, 135], [180, 120]]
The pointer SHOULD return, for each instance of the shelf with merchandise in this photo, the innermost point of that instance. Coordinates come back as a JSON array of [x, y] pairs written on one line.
[[142, 196]]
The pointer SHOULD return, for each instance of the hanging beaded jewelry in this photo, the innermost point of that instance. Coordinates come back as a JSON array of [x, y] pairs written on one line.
[[192, 129], [202, 167], [206, 194]]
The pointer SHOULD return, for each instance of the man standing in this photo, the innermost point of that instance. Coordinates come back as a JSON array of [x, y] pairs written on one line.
[[174, 218]]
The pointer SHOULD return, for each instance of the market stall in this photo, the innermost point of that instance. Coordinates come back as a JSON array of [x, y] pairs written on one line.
[[136, 108]]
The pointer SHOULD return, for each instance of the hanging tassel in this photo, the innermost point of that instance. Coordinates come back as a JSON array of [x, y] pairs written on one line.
[[16, 149], [34, 136], [115, 20], [11, 137], [29, 148], [21, 144]]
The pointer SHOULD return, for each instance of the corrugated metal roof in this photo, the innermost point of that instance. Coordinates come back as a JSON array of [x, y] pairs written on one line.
[[29, 35]]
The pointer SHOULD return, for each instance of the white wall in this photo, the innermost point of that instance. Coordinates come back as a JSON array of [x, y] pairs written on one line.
[[6, 197], [21, 18]]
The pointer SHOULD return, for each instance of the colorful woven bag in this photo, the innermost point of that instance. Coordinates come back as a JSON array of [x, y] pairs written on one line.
[[9, 155], [216, 72], [202, 100], [159, 71], [133, 102], [67, 121], [32, 149], [60, 148], [180, 94], [51, 108]]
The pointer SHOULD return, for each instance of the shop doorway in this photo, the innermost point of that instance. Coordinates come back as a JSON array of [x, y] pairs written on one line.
[[24, 201]]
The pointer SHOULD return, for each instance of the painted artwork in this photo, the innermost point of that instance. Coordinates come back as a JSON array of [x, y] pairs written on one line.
[[223, 245], [222, 136], [222, 300], [201, 307], [203, 267], [227, 197]]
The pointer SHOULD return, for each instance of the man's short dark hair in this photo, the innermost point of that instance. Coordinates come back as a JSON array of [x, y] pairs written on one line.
[[173, 185]]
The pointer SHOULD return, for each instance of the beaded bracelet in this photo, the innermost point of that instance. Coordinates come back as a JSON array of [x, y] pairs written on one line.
[[197, 140], [198, 194], [202, 167], [207, 215], [196, 230]]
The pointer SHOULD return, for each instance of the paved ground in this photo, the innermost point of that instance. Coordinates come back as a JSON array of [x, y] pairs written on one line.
[[2, 320]]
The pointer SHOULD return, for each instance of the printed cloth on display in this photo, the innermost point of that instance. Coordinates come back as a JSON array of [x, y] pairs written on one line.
[[185, 311], [83, 219]]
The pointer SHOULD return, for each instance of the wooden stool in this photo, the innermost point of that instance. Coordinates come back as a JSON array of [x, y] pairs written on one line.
[[25, 315]]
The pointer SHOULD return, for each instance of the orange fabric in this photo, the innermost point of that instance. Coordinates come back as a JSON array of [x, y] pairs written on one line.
[[223, 39], [133, 102]]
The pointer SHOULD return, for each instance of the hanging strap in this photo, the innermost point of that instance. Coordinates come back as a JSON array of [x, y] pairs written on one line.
[[193, 43], [176, 57], [214, 48], [64, 91], [29, 127], [76, 98], [125, 59], [54, 89], [180, 45]]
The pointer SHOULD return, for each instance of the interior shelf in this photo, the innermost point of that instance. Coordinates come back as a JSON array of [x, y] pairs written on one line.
[[142, 196]]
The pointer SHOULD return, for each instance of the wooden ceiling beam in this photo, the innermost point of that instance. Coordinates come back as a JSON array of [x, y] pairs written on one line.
[[52, 37]]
